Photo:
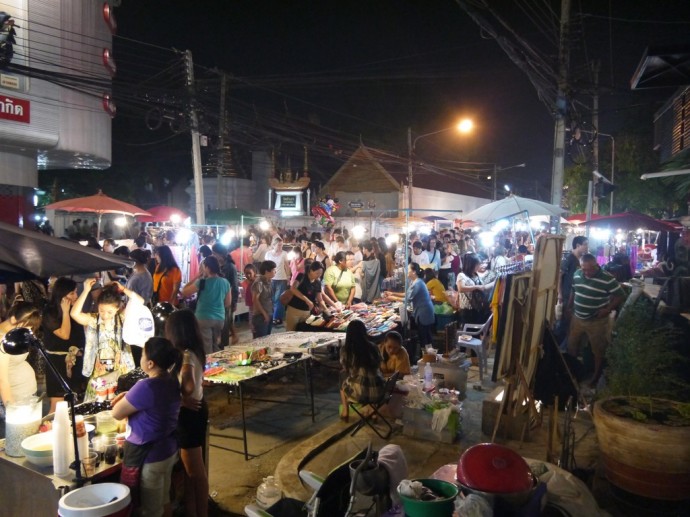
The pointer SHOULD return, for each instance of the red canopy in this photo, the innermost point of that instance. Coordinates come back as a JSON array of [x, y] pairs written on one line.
[[581, 218], [162, 213], [99, 204]]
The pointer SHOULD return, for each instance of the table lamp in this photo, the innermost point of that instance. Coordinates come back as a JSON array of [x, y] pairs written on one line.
[[19, 341]]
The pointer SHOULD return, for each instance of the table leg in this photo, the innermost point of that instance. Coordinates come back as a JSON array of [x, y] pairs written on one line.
[[310, 384], [244, 422]]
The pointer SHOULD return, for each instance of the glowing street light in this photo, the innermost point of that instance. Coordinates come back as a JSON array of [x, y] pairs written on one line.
[[464, 126]]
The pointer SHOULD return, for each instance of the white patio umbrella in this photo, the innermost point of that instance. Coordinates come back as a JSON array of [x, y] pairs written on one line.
[[511, 207]]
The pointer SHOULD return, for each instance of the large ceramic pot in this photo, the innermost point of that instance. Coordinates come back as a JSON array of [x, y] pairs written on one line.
[[650, 459]]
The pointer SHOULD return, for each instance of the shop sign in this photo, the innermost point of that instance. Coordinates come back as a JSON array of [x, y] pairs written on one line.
[[356, 205], [9, 81], [15, 109]]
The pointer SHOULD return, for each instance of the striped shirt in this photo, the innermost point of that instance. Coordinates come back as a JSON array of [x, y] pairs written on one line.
[[592, 294]]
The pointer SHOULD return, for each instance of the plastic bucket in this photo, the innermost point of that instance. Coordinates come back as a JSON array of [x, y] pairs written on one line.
[[443, 507], [99, 500]]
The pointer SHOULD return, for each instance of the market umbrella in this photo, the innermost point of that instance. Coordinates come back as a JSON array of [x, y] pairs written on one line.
[[512, 206], [27, 254], [581, 218], [99, 204], [633, 221], [434, 218], [162, 214]]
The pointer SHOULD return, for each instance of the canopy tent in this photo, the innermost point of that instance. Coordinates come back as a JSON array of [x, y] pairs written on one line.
[[99, 204], [512, 206], [163, 214], [36, 255], [631, 221], [581, 218]]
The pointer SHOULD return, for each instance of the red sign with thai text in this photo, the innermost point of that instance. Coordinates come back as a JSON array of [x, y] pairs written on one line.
[[15, 109]]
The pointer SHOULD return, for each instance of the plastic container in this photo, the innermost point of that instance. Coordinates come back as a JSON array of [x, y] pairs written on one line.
[[442, 507], [268, 493], [22, 419], [105, 423], [97, 500], [428, 377], [82, 437], [62, 440]]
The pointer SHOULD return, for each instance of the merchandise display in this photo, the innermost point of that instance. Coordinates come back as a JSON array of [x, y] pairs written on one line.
[[245, 361], [379, 318]]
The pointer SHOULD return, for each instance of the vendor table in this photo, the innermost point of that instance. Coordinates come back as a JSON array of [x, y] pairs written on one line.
[[379, 318], [239, 364], [36, 491]]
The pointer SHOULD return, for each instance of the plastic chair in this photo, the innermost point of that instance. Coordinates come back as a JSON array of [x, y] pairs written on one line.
[[481, 335], [375, 406], [331, 496]]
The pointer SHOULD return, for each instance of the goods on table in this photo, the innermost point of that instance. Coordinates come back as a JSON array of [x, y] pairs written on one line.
[[379, 318], [244, 361]]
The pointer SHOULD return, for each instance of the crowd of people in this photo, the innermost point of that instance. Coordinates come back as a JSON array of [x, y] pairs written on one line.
[[285, 278]]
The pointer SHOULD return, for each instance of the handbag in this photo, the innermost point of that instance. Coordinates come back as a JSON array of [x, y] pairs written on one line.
[[479, 302], [155, 297], [133, 462]]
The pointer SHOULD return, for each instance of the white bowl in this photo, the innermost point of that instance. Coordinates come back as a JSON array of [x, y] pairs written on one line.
[[38, 449]]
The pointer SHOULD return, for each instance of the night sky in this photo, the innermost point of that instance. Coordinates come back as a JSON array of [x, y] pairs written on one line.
[[366, 70]]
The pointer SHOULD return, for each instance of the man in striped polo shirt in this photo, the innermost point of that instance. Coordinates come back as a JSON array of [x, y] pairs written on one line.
[[595, 294]]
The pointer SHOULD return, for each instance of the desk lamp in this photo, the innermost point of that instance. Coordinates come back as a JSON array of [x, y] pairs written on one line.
[[19, 341]]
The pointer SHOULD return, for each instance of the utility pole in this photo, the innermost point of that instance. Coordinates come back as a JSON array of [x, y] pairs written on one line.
[[220, 151], [596, 65], [409, 168], [561, 106], [196, 149], [493, 177]]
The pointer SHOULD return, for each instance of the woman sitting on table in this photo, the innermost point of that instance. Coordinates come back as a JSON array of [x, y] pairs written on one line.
[[306, 294], [151, 408], [435, 287], [106, 356], [182, 330], [362, 381], [423, 308], [394, 357]]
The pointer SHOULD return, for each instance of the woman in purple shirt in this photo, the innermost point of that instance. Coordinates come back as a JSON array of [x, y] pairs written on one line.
[[152, 407]]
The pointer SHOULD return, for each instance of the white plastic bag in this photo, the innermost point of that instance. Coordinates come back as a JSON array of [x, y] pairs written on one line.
[[138, 325]]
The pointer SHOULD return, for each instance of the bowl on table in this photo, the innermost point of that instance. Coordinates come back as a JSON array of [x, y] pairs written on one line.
[[38, 449]]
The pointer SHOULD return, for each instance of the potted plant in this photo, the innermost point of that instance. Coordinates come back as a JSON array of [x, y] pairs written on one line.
[[643, 419]]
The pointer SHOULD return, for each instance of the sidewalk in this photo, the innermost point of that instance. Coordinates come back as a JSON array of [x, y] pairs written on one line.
[[280, 436]]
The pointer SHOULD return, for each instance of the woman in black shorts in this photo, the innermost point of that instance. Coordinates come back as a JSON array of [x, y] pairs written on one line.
[[183, 331]]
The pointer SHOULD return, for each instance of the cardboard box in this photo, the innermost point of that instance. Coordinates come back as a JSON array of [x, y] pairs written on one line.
[[510, 427], [448, 375], [417, 424]]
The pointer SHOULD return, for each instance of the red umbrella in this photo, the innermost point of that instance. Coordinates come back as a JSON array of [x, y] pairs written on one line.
[[162, 213], [581, 218], [633, 221], [99, 204]]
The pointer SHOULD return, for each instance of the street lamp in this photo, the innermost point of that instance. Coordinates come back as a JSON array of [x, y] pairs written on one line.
[[464, 126], [498, 168]]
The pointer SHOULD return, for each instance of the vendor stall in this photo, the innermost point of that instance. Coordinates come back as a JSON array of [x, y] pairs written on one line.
[[34, 490], [240, 364]]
